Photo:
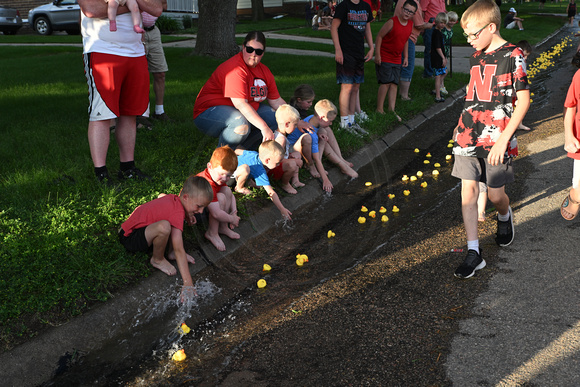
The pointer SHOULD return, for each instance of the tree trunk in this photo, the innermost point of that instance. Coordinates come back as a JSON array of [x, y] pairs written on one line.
[[257, 10], [216, 35]]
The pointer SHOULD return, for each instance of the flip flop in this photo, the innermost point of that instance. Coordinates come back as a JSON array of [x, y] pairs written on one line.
[[565, 205]]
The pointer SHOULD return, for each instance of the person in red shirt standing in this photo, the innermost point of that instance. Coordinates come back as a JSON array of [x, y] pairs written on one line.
[[571, 203], [392, 41]]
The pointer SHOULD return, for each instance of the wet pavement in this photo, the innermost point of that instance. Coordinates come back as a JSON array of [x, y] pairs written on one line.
[[378, 304]]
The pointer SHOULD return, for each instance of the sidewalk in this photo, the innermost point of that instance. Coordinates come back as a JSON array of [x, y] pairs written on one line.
[[460, 54]]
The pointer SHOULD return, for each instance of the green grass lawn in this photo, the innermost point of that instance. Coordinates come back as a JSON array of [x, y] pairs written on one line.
[[59, 252]]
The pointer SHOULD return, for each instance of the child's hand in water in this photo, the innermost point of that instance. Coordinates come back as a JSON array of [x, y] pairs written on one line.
[[187, 294]]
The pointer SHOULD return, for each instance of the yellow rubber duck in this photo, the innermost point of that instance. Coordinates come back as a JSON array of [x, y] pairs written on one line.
[[417, 150], [406, 192], [261, 283], [330, 234], [266, 268], [451, 141], [428, 155], [419, 173], [391, 196], [424, 184], [299, 262], [368, 183], [372, 214], [437, 165], [364, 209], [179, 355], [395, 209], [384, 218], [405, 178], [448, 157], [304, 257], [382, 210], [413, 178], [184, 329], [450, 145], [362, 219], [435, 172], [426, 161]]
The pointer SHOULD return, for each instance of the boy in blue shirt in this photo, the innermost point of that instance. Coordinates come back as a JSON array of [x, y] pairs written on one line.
[[252, 164]]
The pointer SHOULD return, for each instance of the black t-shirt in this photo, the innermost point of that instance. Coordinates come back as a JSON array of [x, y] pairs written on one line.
[[437, 42], [508, 19], [351, 32]]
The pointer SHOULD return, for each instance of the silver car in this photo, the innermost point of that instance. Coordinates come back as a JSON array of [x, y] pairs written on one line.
[[60, 15], [10, 20]]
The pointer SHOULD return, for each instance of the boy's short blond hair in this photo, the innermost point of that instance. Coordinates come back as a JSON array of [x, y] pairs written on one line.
[[441, 18], [482, 12], [271, 148], [452, 17], [224, 157], [198, 187], [325, 108], [287, 113]]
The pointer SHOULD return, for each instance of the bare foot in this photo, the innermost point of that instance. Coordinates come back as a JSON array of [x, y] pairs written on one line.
[[348, 163], [297, 184], [397, 116], [216, 241], [288, 188], [481, 217], [224, 230], [349, 172], [171, 256], [523, 127], [380, 111], [243, 190], [163, 265], [313, 171]]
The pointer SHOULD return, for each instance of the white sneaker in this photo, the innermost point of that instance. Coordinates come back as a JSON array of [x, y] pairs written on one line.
[[348, 128], [362, 116], [443, 90], [357, 127]]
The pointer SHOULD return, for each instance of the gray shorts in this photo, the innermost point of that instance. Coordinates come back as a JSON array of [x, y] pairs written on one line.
[[478, 169], [154, 51], [388, 73]]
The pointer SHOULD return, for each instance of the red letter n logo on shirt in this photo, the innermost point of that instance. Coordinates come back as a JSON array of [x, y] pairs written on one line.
[[481, 86]]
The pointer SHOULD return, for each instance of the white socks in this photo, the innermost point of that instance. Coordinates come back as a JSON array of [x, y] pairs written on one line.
[[473, 245]]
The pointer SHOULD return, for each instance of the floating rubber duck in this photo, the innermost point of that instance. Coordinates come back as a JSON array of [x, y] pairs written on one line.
[[435, 172], [372, 214], [413, 178], [299, 262], [450, 145], [362, 219], [364, 209], [428, 155], [417, 150], [448, 157], [304, 257], [405, 178], [406, 192], [419, 173], [437, 165], [368, 183], [266, 268], [382, 210], [179, 355], [426, 161], [384, 218], [451, 141], [184, 329], [395, 209], [424, 184], [330, 234], [261, 283], [391, 196]]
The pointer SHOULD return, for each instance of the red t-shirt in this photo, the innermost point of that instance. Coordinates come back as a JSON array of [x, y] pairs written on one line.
[[572, 99], [168, 208], [234, 79], [393, 43], [214, 186]]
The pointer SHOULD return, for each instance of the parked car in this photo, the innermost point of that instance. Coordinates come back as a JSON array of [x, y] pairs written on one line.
[[10, 20], [60, 15]]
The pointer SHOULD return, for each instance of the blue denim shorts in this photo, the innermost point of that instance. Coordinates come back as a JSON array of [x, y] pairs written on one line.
[[352, 70]]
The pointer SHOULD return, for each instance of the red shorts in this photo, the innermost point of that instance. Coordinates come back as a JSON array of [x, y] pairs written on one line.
[[118, 85], [277, 172]]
